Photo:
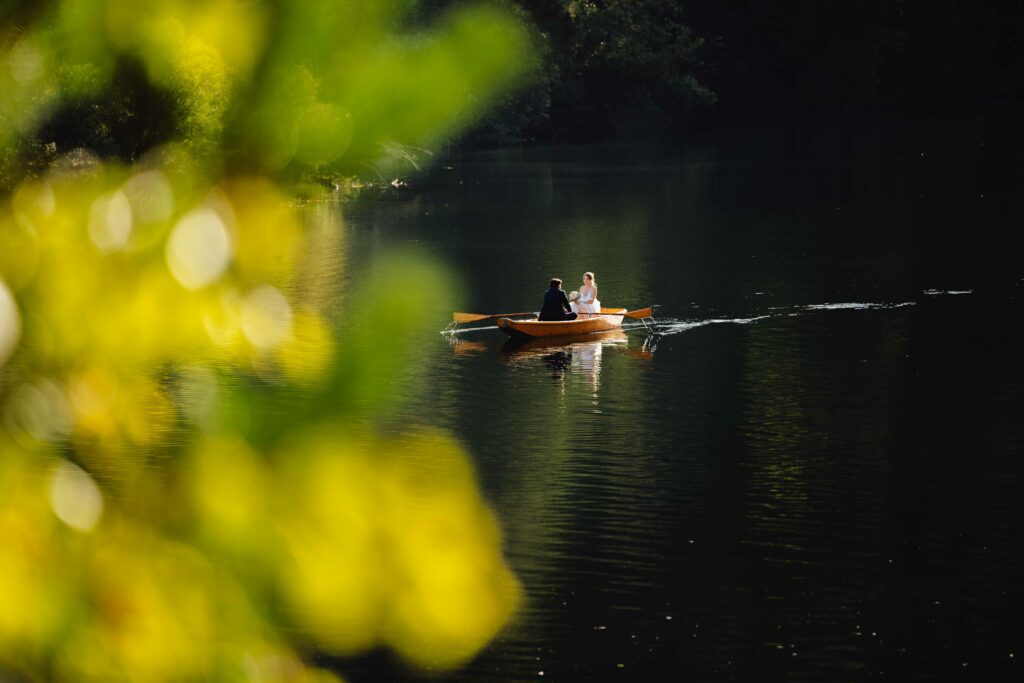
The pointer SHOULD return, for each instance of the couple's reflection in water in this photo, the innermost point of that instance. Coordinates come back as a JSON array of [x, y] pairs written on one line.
[[579, 355]]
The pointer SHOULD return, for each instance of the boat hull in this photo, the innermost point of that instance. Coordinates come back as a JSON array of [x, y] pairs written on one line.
[[610, 319]]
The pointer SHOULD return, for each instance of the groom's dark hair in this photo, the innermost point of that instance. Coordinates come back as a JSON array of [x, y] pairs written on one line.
[[555, 282]]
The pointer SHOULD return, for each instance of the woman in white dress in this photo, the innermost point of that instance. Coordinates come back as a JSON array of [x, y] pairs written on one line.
[[587, 304]]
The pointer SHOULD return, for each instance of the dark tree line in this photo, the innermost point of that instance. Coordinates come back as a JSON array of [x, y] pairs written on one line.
[[838, 57], [608, 68]]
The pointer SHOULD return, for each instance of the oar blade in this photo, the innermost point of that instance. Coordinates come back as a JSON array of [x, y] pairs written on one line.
[[467, 317], [640, 313]]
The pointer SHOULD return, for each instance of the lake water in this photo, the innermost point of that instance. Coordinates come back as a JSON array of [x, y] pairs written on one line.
[[812, 471]]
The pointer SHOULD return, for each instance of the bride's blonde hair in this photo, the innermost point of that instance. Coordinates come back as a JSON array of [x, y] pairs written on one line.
[[593, 282]]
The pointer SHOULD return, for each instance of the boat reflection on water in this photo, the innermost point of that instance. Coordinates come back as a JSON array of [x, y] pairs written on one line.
[[465, 347], [577, 354]]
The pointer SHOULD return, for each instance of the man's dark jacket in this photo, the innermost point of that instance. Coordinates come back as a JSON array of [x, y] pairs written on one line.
[[556, 305]]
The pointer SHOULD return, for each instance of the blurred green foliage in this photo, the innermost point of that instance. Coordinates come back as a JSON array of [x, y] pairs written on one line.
[[189, 485], [282, 87]]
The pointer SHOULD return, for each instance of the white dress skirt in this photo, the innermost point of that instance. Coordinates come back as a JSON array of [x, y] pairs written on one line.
[[587, 303]]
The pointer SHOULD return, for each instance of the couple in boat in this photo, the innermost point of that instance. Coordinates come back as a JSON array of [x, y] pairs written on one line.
[[558, 307]]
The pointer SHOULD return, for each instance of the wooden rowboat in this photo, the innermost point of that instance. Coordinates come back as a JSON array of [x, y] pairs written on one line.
[[609, 319]]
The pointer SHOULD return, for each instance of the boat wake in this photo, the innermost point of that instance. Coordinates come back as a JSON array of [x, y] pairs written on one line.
[[854, 306], [673, 326], [667, 326]]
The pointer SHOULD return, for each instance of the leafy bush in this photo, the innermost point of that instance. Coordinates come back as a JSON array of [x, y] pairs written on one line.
[[184, 491]]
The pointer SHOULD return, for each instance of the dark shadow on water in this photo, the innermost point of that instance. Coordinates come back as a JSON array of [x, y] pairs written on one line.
[[558, 362]]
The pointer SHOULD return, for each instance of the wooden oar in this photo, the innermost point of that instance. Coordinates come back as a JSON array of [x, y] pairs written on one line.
[[639, 313], [473, 317]]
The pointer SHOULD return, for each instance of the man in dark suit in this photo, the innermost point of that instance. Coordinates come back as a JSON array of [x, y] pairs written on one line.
[[556, 303]]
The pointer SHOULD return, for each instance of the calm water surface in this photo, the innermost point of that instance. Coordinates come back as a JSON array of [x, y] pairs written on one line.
[[812, 472]]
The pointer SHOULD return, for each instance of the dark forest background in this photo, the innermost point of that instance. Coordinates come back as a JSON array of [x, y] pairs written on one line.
[[621, 68]]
